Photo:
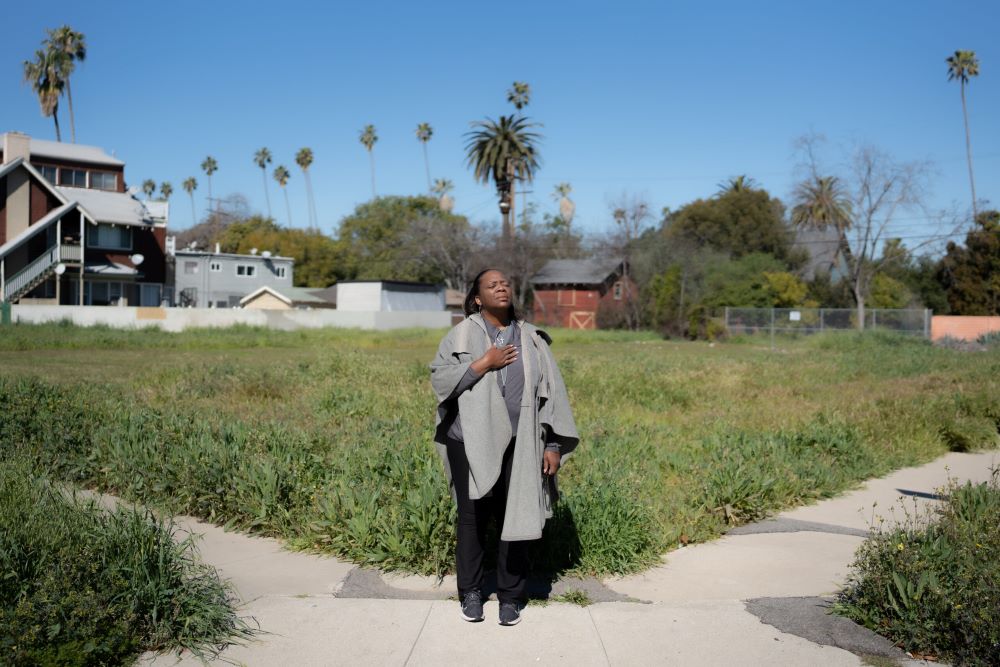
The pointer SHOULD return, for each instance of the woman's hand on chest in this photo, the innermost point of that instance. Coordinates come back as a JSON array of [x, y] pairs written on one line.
[[495, 358]]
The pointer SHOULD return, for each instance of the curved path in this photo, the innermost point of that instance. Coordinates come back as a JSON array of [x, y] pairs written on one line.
[[754, 597]]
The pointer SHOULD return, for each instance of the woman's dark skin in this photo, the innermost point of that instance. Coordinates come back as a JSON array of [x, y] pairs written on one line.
[[493, 300]]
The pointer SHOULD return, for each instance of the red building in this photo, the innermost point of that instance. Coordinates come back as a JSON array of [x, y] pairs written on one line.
[[571, 292], [71, 233]]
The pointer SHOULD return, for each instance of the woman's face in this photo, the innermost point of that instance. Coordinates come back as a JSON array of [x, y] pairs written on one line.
[[494, 291]]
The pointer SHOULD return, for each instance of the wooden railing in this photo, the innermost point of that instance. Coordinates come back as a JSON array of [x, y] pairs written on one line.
[[24, 279]]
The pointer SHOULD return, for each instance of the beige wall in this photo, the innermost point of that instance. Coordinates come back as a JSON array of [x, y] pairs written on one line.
[[962, 327], [267, 301]]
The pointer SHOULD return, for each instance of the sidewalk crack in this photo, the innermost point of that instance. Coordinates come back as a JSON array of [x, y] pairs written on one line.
[[599, 637], [409, 655]]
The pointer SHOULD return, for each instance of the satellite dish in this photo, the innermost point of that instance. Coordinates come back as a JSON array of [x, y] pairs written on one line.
[[60, 269], [253, 251], [266, 254], [137, 259]]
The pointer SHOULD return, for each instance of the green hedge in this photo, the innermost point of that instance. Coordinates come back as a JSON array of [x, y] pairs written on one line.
[[933, 586]]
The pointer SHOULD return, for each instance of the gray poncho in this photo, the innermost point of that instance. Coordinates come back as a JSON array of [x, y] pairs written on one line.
[[545, 416]]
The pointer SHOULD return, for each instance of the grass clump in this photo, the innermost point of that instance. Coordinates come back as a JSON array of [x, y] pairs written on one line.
[[80, 585], [932, 584]]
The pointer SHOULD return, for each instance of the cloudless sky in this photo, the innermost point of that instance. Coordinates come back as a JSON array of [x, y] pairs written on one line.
[[660, 99]]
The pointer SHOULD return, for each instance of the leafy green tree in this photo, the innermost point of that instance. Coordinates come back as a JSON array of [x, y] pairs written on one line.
[[189, 185], [262, 158], [424, 134], [379, 239], [888, 292], [44, 75], [368, 137], [149, 187], [503, 151], [317, 257], [73, 48], [281, 174], [209, 166], [742, 282], [736, 222], [970, 273], [519, 94], [962, 66], [304, 158], [166, 189]]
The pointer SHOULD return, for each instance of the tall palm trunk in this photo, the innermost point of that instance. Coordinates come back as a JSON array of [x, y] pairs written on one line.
[[72, 120], [267, 195], [427, 166], [371, 156], [313, 221], [968, 154], [211, 202], [288, 207], [194, 216], [55, 119]]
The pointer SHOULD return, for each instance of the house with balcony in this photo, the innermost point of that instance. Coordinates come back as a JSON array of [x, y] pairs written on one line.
[[71, 233]]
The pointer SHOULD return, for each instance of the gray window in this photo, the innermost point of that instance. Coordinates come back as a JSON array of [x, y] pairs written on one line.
[[246, 270], [49, 173], [215, 267], [280, 271], [190, 268], [76, 178], [102, 180], [110, 237]]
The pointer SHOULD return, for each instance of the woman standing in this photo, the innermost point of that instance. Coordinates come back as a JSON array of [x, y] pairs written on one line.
[[504, 427]]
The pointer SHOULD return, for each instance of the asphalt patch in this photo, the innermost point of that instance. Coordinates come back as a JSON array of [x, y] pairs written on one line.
[[795, 526], [366, 583], [811, 619]]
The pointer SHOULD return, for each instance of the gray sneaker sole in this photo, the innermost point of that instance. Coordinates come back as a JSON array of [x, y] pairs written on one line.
[[470, 619]]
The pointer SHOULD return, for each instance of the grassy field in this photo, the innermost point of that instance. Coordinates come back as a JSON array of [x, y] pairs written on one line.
[[324, 437]]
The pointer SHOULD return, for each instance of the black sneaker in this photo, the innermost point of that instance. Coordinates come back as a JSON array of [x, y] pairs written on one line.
[[510, 613], [472, 606]]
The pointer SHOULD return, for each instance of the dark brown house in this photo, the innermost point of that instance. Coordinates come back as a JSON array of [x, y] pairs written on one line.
[[71, 233], [570, 292]]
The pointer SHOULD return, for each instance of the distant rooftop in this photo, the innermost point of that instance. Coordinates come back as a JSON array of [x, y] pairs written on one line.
[[575, 271], [191, 252], [58, 150]]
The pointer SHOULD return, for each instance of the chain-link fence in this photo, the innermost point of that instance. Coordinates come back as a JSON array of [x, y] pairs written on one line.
[[814, 320]]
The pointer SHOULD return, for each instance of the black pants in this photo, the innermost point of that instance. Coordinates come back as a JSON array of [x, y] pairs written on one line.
[[473, 518]]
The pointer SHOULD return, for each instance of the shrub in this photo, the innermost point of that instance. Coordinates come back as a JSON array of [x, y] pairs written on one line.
[[932, 584], [80, 585]]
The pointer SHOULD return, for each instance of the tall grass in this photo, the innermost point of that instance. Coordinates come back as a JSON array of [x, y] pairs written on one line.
[[324, 438], [80, 585]]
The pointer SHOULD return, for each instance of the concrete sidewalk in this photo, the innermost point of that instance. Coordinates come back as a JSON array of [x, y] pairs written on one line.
[[753, 597]]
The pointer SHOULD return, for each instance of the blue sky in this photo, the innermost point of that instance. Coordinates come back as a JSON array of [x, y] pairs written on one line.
[[662, 99]]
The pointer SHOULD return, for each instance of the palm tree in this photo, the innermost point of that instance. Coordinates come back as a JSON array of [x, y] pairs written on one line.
[[519, 95], [262, 158], [71, 44], [44, 75], [567, 209], [424, 134], [962, 66], [190, 184], [304, 158], [368, 139], [741, 183], [503, 150], [209, 166], [166, 189], [149, 187], [282, 175], [442, 186]]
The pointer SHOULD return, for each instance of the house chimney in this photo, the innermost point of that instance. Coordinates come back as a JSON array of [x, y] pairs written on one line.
[[17, 145], [218, 248]]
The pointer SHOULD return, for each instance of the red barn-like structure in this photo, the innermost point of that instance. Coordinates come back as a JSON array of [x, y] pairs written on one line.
[[570, 292]]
